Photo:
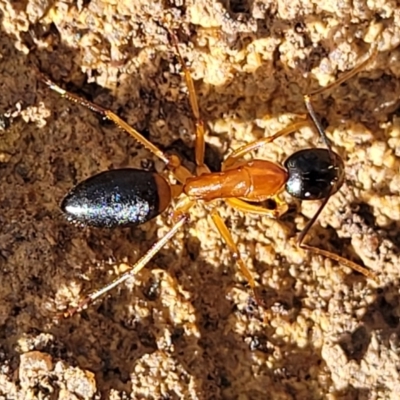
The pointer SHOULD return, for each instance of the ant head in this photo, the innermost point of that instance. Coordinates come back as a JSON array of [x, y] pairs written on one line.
[[314, 174]]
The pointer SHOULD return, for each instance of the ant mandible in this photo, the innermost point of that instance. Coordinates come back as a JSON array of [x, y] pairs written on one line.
[[131, 197]]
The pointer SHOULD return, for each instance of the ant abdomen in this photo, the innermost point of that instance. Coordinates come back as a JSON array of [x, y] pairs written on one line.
[[314, 174], [117, 198]]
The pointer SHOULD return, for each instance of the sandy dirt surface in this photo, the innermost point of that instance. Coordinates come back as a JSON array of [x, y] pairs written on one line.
[[187, 326]]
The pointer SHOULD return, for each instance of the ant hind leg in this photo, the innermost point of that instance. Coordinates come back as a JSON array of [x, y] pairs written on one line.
[[172, 162], [132, 271]]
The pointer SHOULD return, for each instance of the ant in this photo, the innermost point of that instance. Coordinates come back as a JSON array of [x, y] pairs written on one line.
[[131, 197]]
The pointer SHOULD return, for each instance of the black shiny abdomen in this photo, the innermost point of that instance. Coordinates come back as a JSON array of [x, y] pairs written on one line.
[[121, 197], [314, 174]]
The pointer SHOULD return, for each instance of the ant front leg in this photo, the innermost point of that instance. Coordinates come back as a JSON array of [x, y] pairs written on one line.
[[243, 206], [226, 235], [257, 144], [230, 163]]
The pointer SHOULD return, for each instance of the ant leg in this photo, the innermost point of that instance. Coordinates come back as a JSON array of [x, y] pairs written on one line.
[[107, 114], [243, 206], [182, 207], [136, 268], [224, 231], [172, 162], [241, 151], [200, 143]]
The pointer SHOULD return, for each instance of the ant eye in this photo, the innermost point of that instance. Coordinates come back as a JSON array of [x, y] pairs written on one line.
[[314, 174]]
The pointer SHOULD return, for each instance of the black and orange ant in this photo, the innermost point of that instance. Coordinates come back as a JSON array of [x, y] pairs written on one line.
[[131, 197]]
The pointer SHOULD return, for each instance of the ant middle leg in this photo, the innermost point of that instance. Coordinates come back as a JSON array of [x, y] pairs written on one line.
[[199, 123], [201, 167]]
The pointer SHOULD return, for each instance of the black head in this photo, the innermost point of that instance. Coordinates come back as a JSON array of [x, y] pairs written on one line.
[[314, 174]]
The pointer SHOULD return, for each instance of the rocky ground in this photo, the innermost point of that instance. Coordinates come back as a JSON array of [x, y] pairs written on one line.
[[187, 326]]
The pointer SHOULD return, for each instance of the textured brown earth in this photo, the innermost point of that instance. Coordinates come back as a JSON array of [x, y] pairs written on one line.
[[187, 327]]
